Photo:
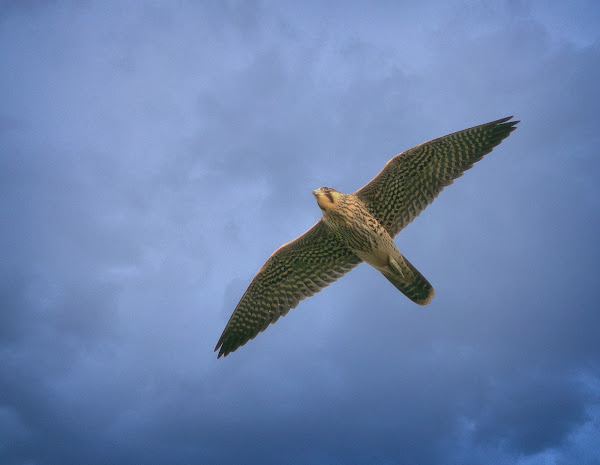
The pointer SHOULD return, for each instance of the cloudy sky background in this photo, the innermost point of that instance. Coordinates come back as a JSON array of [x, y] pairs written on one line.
[[153, 156]]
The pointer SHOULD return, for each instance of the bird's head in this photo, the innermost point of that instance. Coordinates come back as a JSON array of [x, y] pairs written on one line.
[[327, 198]]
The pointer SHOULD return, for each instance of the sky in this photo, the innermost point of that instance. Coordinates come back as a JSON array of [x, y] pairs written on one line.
[[154, 154]]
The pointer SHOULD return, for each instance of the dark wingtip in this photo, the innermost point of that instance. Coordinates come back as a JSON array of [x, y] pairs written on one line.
[[507, 122], [505, 125], [219, 345]]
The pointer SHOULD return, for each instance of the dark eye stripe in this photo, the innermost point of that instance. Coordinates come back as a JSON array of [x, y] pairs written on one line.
[[329, 196]]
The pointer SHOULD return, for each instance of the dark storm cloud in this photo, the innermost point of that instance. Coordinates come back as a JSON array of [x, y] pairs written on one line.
[[152, 157]]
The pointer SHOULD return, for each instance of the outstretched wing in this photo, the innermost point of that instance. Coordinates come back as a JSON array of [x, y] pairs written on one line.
[[295, 271], [412, 180]]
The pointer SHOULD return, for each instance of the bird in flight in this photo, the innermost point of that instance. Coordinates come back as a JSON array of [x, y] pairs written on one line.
[[360, 227]]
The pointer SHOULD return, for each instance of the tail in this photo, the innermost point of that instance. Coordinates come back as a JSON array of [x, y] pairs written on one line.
[[407, 279]]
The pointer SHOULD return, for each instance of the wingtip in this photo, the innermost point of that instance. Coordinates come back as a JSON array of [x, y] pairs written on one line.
[[507, 120], [505, 125], [219, 346]]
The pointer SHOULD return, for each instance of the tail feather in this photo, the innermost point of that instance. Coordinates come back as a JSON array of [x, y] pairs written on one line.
[[408, 280]]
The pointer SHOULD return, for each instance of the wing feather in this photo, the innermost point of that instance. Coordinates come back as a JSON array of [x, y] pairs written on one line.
[[410, 181], [295, 271]]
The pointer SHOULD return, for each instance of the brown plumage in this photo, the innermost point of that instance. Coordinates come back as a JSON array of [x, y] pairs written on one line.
[[360, 227]]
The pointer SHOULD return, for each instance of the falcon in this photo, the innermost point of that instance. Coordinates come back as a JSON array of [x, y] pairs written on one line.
[[360, 227]]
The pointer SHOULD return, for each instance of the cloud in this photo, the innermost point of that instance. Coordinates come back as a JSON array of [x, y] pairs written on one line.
[[152, 157]]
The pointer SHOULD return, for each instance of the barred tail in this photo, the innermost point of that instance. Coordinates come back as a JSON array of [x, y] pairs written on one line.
[[407, 279]]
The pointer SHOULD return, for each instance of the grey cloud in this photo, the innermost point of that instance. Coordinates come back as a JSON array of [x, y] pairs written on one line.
[[152, 157]]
